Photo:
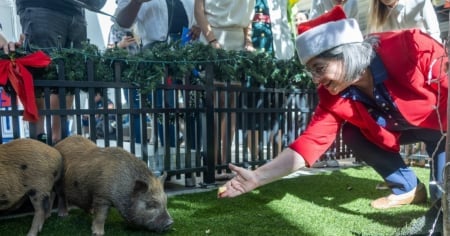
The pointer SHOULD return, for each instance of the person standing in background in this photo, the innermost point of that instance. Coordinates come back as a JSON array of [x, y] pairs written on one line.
[[118, 37], [49, 24], [270, 34], [122, 39], [158, 21], [387, 15], [225, 24], [319, 7]]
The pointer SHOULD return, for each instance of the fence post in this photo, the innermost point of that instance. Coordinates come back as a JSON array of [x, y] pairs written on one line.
[[446, 196], [62, 101], [208, 144]]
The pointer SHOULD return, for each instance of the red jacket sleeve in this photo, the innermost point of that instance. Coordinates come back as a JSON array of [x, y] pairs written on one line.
[[318, 136]]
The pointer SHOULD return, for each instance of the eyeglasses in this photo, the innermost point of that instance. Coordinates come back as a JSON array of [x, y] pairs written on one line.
[[318, 70]]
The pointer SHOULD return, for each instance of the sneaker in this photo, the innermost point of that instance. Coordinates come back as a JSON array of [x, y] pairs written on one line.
[[332, 163], [319, 164]]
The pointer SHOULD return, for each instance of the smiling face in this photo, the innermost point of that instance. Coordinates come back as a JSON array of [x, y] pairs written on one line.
[[329, 73]]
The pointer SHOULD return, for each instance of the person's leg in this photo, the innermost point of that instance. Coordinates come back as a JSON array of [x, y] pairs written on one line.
[[436, 176], [56, 119], [76, 35], [389, 165], [253, 138], [39, 125], [435, 147], [47, 29], [434, 142], [224, 123], [277, 138], [34, 22]]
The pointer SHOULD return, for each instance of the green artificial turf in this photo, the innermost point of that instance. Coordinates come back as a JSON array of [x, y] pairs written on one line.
[[331, 203]]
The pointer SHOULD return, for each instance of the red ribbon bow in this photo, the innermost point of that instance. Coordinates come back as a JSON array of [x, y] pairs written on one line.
[[22, 80]]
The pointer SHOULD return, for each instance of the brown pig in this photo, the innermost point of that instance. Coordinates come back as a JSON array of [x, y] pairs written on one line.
[[31, 169], [96, 179]]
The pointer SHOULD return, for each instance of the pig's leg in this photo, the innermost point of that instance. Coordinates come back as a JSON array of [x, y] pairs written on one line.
[[50, 207], [41, 204], [62, 200], [100, 214]]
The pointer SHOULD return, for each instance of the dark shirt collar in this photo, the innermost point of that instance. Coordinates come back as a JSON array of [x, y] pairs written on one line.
[[378, 70]]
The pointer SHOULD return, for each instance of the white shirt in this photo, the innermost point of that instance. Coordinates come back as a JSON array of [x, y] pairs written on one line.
[[229, 13], [283, 45], [152, 23], [414, 14], [319, 7]]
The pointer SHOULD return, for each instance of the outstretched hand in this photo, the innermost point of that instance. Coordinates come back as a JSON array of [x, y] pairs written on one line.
[[244, 181]]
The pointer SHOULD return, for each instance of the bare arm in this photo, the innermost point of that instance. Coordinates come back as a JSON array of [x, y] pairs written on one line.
[[126, 16], [245, 181], [248, 45], [202, 22]]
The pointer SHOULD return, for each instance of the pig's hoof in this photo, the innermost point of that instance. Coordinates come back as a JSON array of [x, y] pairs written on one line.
[[98, 231], [63, 214]]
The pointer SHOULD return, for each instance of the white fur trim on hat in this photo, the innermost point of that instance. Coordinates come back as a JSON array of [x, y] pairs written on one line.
[[327, 36]]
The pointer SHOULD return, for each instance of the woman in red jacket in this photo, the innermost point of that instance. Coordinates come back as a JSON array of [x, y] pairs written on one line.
[[383, 91]]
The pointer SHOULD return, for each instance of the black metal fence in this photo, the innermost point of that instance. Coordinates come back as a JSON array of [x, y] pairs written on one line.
[[175, 127]]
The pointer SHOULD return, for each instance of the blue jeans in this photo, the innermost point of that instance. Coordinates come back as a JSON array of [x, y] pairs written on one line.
[[170, 100], [390, 165]]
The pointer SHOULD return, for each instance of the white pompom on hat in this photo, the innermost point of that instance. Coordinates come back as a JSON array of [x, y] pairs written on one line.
[[325, 32]]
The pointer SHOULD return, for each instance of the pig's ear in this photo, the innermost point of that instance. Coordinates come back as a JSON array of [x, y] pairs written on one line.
[[140, 187], [163, 177]]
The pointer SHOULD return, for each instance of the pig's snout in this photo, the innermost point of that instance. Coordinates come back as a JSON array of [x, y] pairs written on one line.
[[163, 223], [166, 226]]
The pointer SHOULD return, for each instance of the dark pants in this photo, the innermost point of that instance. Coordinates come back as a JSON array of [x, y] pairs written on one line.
[[390, 165], [170, 99]]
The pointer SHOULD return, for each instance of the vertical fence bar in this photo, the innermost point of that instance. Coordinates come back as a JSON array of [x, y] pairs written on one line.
[[209, 144], [62, 91], [446, 195]]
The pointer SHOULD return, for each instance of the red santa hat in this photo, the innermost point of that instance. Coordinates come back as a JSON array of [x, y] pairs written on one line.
[[325, 32]]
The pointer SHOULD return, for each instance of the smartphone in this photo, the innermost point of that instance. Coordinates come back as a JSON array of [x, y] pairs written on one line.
[[185, 36], [129, 34]]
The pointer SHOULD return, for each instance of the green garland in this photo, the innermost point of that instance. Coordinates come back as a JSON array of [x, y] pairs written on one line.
[[147, 67]]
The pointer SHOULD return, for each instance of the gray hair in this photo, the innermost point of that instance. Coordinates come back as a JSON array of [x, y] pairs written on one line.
[[356, 57]]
